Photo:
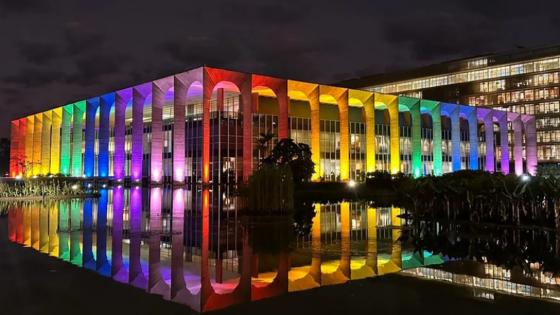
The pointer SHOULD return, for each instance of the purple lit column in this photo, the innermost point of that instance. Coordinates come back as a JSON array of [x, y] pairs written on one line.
[[139, 95], [487, 118], [455, 139], [531, 144], [156, 154], [136, 276], [473, 140], [105, 104], [179, 291], [118, 272], [89, 153], [121, 101], [504, 145], [518, 145], [180, 101], [156, 284]]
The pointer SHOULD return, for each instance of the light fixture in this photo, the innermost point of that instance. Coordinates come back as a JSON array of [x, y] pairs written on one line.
[[351, 183]]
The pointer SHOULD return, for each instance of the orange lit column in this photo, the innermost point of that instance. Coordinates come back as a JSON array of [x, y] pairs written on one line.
[[394, 127], [14, 145], [21, 147], [315, 270], [37, 138], [46, 143], [30, 130], [314, 104], [55, 140], [345, 227], [344, 136]]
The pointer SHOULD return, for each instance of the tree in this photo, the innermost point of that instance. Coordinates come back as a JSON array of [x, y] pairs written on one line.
[[296, 155]]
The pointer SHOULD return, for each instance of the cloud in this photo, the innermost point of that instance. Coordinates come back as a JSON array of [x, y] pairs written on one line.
[[23, 6], [32, 77], [77, 40], [37, 53], [90, 69]]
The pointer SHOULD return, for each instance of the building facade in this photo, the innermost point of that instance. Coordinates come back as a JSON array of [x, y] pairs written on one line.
[[524, 82], [205, 126]]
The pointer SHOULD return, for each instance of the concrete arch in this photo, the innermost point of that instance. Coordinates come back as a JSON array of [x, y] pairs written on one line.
[[280, 89], [365, 99], [390, 102]]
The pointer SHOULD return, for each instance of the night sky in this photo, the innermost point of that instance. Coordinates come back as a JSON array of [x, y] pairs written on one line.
[[55, 52]]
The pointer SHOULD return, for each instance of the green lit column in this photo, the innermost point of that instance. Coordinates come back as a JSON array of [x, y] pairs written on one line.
[[65, 126], [436, 142], [416, 142], [77, 138]]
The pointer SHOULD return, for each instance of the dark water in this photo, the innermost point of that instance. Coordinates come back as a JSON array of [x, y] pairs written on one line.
[[194, 248]]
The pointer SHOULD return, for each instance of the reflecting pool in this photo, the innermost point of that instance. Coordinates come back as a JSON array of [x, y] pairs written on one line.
[[194, 247]]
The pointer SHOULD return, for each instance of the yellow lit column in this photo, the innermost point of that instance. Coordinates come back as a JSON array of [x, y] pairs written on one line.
[[344, 136], [53, 230], [371, 258], [369, 117], [345, 226], [37, 138], [315, 133], [394, 127], [396, 250], [315, 270], [55, 140], [29, 146], [46, 143]]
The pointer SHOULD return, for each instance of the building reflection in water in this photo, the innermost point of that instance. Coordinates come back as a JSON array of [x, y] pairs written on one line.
[[191, 246]]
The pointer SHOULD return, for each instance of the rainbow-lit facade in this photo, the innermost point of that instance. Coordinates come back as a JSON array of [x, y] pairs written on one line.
[[204, 125]]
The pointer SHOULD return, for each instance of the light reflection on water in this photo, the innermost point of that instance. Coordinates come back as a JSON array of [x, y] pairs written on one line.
[[186, 246]]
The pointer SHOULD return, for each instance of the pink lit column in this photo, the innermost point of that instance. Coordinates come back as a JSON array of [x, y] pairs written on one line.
[[518, 145], [156, 283], [139, 95], [180, 101], [156, 154], [121, 100], [504, 145], [486, 116], [247, 109], [531, 144]]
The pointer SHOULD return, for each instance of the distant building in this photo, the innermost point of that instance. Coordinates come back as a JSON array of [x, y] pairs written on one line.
[[525, 81]]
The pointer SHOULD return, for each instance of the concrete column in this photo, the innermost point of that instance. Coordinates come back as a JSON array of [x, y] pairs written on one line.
[[46, 143], [55, 140], [314, 104], [29, 145], [518, 145], [118, 270], [394, 130], [102, 263], [504, 145], [136, 276], [436, 142], [455, 139], [89, 152], [416, 139], [65, 144], [77, 138], [37, 147], [247, 109], [473, 140], [180, 101], [14, 144], [531, 144], [179, 291], [283, 111], [344, 136], [138, 100], [63, 230], [156, 283], [105, 104], [489, 138], [369, 117], [119, 162], [156, 161]]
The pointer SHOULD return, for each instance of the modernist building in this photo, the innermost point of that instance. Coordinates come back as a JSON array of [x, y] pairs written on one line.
[[203, 126], [525, 81]]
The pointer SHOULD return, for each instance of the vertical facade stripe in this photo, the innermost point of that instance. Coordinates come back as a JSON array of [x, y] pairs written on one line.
[[77, 138], [473, 140], [55, 140], [314, 105], [46, 143], [89, 152], [105, 104], [15, 140], [344, 136], [369, 117], [416, 141], [531, 140], [489, 140], [137, 135], [37, 138], [29, 145], [504, 145], [518, 145], [156, 167], [455, 139], [436, 142], [119, 156], [180, 101], [394, 138], [65, 138]]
